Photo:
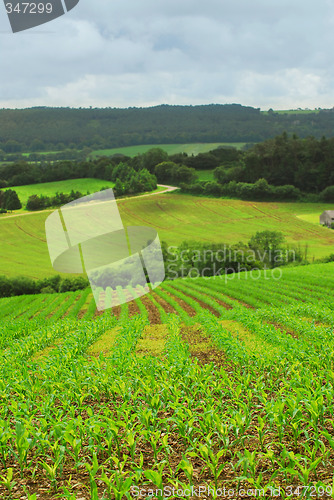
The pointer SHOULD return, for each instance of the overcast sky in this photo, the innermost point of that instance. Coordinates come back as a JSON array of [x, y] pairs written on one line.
[[120, 53]]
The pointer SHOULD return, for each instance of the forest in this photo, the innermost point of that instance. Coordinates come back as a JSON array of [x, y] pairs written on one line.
[[283, 168], [56, 129]]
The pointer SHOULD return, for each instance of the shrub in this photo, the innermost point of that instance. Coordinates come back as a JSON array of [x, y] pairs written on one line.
[[212, 188], [73, 284], [6, 288], [327, 194], [47, 289], [21, 285]]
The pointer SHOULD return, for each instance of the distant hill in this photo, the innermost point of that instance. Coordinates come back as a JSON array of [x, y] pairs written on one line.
[[43, 128]]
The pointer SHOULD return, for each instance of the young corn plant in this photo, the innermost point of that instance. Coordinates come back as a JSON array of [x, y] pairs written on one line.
[[7, 480]]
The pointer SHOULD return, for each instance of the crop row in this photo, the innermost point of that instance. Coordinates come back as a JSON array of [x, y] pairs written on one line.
[[259, 418]]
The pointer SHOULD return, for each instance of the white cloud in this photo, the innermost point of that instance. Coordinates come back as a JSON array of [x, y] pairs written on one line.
[[128, 53]]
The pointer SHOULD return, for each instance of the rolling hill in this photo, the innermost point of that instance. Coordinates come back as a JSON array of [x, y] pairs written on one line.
[[176, 218]]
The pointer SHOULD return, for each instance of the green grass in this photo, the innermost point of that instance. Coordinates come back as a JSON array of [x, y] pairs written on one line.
[[171, 149], [176, 218], [51, 188], [183, 217], [43, 152], [205, 175]]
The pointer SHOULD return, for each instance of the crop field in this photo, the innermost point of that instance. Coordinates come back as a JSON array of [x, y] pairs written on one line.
[[202, 383], [51, 188], [171, 149], [176, 218]]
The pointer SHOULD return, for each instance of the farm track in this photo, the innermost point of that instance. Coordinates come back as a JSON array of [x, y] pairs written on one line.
[[29, 234]]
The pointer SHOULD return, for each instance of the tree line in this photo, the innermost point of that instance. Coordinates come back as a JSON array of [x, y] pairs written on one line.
[[283, 168], [131, 175], [21, 285], [49, 129]]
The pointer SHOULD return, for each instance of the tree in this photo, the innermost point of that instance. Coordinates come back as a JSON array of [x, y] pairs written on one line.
[[261, 189], [11, 200], [327, 194], [164, 171], [34, 203], [119, 188], [268, 246], [152, 157]]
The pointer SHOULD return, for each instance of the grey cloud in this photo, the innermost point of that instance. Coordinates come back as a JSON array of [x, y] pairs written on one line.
[[127, 53]]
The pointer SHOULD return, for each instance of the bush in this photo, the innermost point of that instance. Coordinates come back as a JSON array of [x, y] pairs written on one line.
[[73, 284], [212, 188], [6, 288], [35, 202], [52, 282], [23, 286], [47, 289], [196, 188], [327, 194]]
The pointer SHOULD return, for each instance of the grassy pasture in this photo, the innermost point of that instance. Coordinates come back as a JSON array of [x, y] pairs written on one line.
[[205, 175], [51, 188], [176, 218], [169, 148]]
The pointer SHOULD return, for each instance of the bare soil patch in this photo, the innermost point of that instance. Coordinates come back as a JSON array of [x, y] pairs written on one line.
[[152, 311]]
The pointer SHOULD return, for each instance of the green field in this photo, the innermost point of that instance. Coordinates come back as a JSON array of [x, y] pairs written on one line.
[[293, 111], [203, 382], [51, 188], [205, 175], [171, 149], [176, 218]]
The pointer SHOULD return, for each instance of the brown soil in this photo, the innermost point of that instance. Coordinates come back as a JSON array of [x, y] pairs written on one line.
[[283, 328], [53, 312], [116, 311], [72, 305], [186, 307], [203, 304], [167, 307], [133, 308], [152, 311], [201, 348], [81, 313]]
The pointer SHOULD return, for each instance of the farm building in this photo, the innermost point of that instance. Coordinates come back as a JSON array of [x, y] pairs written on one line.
[[327, 218]]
